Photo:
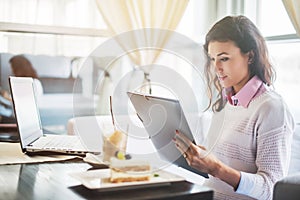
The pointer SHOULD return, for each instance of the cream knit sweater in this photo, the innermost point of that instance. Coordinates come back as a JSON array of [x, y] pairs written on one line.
[[254, 140]]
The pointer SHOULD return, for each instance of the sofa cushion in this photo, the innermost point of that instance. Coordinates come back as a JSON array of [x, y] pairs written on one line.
[[51, 66], [287, 188], [61, 85]]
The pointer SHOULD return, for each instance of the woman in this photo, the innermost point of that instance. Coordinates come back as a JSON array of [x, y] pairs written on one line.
[[22, 67], [253, 148]]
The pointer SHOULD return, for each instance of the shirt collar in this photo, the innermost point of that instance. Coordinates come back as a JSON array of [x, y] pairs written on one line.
[[245, 95]]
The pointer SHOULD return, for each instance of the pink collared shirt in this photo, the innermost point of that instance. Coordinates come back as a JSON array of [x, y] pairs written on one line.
[[253, 88]]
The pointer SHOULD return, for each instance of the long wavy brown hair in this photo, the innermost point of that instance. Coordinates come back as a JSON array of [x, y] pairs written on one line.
[[247, 37], [22, 67]]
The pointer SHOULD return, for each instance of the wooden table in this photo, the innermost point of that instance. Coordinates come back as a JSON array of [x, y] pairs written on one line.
[[52, 181]]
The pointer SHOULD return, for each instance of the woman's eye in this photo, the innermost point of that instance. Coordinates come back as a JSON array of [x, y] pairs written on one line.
[[224, 59]]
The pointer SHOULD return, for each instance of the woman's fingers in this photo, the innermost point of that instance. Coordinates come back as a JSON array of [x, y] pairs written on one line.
[[181, 146], [185, 145], [190, 146], [202, 147], [195, 155], [185, 139]]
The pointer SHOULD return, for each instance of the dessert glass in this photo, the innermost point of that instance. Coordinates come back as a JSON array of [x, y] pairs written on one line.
[[114, 142]]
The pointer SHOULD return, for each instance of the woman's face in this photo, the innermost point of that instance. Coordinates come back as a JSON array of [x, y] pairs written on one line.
[[231, 65]]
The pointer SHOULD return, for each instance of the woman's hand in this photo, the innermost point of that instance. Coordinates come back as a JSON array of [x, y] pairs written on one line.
[[196, 155], [199, 158]]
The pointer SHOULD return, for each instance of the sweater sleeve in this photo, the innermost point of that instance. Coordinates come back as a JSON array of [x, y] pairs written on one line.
[[274, 134]]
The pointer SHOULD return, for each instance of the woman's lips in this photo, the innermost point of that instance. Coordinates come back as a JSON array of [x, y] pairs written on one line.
[[222, 78]]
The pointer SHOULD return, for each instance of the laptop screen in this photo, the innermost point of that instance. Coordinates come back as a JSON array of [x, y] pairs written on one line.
[[26, 110]]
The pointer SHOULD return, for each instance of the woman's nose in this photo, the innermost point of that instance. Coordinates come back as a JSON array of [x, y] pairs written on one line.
[[218, 66]]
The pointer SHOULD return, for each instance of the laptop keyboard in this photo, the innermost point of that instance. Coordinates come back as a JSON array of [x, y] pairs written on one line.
[[59, 142]]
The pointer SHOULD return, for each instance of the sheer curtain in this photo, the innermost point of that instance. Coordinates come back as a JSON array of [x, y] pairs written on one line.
[[129, 15], [293, 9]]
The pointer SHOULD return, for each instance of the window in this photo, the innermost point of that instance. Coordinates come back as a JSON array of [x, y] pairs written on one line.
[[53, 13], [286, 60], [273, 19], [70, 13]]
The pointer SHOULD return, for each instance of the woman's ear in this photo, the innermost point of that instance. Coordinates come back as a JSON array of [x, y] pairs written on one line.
[[250, 57]]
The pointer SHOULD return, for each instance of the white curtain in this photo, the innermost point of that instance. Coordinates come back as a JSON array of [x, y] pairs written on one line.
[[146, 16], [123, 16], [129, 15], [293, 9], [69, 13]]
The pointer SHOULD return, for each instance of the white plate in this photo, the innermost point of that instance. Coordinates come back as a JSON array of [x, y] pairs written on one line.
[[99, 179]]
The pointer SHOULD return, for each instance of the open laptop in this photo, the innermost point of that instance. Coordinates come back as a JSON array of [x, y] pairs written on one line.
[[161, 117], [32, 138]]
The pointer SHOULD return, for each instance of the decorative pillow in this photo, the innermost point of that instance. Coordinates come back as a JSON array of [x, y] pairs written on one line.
[[38, 87], [51, 66]]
